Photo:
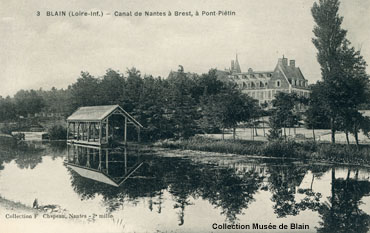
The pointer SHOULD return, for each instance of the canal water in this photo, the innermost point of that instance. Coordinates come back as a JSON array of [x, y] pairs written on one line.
[[86, 189]]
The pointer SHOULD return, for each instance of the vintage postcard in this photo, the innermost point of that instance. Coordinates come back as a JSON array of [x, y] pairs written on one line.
[[184, 116]]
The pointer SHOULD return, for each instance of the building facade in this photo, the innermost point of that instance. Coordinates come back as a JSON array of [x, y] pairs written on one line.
[[264, 85]]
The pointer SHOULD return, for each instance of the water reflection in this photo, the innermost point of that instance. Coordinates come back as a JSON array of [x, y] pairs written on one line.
[[342, 213], [112, 167], [119, 179], [284, 182], [28, 155]]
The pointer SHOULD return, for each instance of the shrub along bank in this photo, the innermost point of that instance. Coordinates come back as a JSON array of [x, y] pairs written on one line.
[[280, 149]]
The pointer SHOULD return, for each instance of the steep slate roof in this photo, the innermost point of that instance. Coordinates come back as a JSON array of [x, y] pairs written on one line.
[[97, 113], [292, 72]]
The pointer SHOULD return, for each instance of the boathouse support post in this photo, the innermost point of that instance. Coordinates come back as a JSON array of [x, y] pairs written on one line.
[[107, 131], [125, 154], [99, 167], [69, 123], [138, 134], [94, 133], [83, 131], [106, 161], [125, 135], [74, 130], [88, 131], [100, 133], [78, 131]]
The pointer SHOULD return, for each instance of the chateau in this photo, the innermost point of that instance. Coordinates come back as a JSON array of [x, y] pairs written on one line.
[[263, 85]]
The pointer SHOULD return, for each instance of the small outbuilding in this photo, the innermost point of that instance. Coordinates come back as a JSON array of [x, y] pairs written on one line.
[[100, 125]]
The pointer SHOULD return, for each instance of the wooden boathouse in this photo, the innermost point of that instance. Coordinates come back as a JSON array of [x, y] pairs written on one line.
[[100, 125]]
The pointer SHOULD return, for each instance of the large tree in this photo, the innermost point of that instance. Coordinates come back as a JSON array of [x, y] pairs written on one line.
[[227, 109], [85, 92], [283, 114], [28, 102], [342, 67]]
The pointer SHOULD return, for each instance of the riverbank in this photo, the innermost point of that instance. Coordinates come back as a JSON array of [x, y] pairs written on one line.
[[305, 150], [16, 206]]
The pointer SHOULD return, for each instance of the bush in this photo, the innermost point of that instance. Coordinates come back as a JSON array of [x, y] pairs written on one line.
[[277, 148], [57, 132], [6, 128], [281, 149]]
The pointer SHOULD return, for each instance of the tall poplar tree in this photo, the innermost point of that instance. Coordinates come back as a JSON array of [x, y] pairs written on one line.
[[342, 67]]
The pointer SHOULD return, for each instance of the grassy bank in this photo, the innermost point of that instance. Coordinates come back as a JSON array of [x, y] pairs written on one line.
[[280, 149]]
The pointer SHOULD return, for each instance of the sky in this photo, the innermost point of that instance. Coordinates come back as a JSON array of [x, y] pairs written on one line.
[[51, 51]]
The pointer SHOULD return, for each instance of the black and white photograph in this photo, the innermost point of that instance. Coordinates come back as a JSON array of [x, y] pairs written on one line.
[[170, 116]]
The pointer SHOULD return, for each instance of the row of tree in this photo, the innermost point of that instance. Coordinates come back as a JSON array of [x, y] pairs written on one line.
[[179, 106]]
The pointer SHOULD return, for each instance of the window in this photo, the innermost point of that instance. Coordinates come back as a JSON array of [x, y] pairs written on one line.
[[278, 83], [295, 82]]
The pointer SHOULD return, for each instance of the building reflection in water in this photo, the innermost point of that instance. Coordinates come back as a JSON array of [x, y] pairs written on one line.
[[228, 185], [105, 165]]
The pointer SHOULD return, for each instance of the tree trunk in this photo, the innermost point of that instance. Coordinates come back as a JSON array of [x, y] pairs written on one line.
[[356, 134], [223, 133], [348, 173], [263, 125], [332, 187], [356, 174], [356, 138], [332, 130], [346, 132], [284, 133], [252, 131], [313, 178], [313, 134], [234, 133]]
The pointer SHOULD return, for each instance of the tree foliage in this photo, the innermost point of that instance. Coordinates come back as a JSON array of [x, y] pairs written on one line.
[[180, 106], [342, 68]]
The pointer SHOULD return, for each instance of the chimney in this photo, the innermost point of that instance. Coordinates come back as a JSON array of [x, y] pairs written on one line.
[[292, 63], [280, 61], [285, 61]]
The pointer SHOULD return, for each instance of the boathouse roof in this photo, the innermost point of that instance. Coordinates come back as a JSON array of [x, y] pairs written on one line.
[[99, 113]]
